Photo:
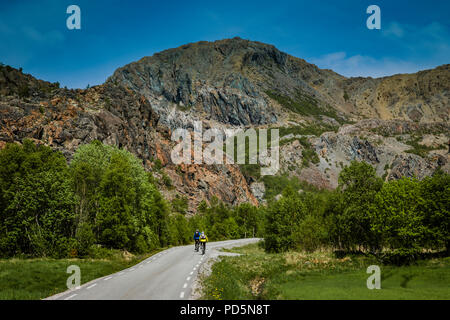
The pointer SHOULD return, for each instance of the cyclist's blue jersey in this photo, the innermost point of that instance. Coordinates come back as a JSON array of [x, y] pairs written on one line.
[[196, 235]]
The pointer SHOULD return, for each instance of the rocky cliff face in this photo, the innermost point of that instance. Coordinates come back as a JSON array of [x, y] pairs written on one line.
[[396, 148], [239, 83], [423, 96], [65, 119]]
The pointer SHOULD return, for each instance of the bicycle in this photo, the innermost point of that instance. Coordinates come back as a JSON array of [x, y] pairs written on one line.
[[203, 247], [197, 243]]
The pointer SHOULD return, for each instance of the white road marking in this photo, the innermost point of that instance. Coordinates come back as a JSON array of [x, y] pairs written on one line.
[[195, 269], [192, 272], [188, 278], [131, 269], [120, 273], [91, 286], [185, 285], [106, 279], [182, 295], [70, 297]]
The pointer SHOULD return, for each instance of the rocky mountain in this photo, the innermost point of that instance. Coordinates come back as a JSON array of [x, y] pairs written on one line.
[[65, 119], [399, 124], [240, 82]]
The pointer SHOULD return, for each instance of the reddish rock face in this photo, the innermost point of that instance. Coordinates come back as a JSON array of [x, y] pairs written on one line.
[[203, 182], [66, 119]]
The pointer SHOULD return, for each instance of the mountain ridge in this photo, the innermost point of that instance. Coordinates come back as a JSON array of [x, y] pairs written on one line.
[[255, 68], [399, 124]]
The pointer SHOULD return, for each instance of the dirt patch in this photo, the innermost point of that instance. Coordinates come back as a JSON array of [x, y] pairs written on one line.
[[256, 286]]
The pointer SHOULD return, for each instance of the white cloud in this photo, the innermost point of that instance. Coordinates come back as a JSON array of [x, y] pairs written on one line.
[[430, 36], [359, 65], [419, 48], [42, 38], [394, 29]]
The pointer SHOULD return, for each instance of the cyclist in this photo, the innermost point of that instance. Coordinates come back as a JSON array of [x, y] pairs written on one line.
[[203, 240], [196, 239]]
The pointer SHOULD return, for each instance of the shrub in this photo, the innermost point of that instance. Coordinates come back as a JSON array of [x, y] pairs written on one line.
[[36, 201], [280, 222]]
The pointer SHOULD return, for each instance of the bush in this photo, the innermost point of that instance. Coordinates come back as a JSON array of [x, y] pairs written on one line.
[[105, 197], [435, 206], [310, 234], [85, 238], [400, 256], [166, 180], [281, 219], [397, 220], [157, 165], [349, 208], [36, 201], [395, 217]]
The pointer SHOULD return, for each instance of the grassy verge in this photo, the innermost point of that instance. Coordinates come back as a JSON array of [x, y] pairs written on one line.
[[32, 279], [320, 275]]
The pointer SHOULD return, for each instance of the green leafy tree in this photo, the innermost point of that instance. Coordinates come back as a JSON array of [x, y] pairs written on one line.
[[118, 198], [115, 221], [349, 210], [281, 222], [180, 204], [435, 192], [87, 169], [247, 218], [397, 219], [36, 202]]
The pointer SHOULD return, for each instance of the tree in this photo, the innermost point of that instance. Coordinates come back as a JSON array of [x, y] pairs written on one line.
[[119, 198], [435, 192], [179, 230], [246, 217], [87, 169], [312, 230], [36, 202], [115, 221], [180, 204], [397, 219], [349, 209], [281, 222]]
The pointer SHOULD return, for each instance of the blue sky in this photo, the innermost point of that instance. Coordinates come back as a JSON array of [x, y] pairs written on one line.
[[414, 35]]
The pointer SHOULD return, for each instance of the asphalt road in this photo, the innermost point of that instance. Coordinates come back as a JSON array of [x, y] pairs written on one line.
[[168, 275]]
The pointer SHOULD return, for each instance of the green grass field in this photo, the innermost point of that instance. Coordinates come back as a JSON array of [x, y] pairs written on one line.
[[320, 275], [32, 279]]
